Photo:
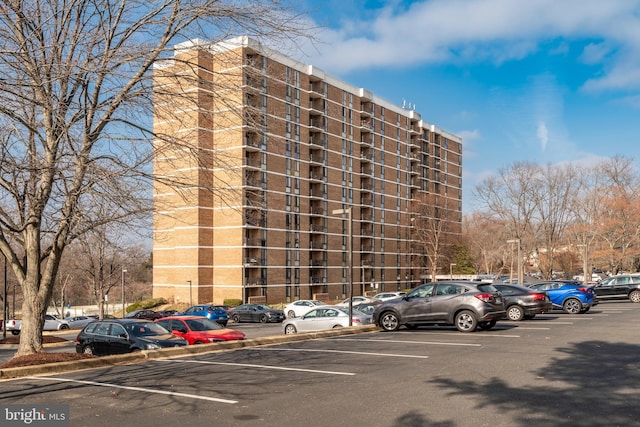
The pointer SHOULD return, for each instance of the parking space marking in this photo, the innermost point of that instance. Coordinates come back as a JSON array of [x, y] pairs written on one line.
[[410, 342], [250, 365], [526, 328], [484, 334], [145, 390], [363, 353]]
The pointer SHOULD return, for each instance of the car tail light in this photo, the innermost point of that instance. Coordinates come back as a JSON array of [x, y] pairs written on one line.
[[356, 320], [538, 297], [585, 290], [485, 297]]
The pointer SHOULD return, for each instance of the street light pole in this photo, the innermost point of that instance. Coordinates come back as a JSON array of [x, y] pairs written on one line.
[[520, 272], [123, 272], [5, 304], [190, 294], [451, 270], [349, 257]]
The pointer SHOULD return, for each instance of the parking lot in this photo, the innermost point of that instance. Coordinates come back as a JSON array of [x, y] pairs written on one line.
[[556, 370]]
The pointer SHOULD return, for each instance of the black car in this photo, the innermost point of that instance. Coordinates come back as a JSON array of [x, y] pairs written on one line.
[[467, 305], [523, 303], [143, 314], [622, 286], [120, 336], [256, 313]]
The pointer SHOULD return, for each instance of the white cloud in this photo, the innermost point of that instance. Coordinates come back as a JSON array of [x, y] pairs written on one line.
[[543, 135], [435, 31]]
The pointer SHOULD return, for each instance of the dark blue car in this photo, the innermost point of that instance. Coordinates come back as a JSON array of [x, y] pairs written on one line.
[[569, 296], [209, 311]]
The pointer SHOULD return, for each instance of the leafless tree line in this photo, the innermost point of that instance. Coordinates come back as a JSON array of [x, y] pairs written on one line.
[[561, 213]]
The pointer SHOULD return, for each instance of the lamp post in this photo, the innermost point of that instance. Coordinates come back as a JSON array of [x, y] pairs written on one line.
[[585, 263], [5, 304], [123, 272], [349, 257], [451, 270], [190, 294], [520, 275]]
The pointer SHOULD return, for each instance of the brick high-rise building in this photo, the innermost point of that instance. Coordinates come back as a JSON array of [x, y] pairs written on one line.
[[285, 147]]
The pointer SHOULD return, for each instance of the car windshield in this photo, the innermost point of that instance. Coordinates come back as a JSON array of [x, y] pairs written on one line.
[[145, 329], [263, 307], [203, 324]]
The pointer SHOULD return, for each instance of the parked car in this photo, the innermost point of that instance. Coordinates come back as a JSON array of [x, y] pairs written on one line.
[[79, 322], [167, 313], [567, 295], [119, 336], [383, 296], [143, 314], [467, 305], [199, 329], [256, 313], [619, 287], [324, 317], [209, 311], [51, 323], [300, 307], [523, 303], [356, 300], [366, 307]]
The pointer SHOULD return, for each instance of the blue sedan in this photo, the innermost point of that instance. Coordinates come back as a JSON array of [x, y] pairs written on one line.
[[571, 297], [209, 311]]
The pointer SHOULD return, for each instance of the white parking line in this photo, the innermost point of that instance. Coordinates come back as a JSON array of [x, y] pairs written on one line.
[[410, 342], [250, 365], [145, 390], [483, 334], [345, 352], [526, 328]]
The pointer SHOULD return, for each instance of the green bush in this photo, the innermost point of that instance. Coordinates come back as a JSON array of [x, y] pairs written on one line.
[[232, 302], [145, 304]]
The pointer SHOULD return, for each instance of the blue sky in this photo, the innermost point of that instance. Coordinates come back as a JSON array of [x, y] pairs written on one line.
[[548, 81]]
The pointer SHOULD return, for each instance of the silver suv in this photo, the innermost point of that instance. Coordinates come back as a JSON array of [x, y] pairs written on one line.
[[467, 305]]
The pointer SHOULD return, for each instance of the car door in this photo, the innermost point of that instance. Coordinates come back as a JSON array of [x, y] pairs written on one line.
[[118, 340], [417, 307], [314, 320], [445, 298]]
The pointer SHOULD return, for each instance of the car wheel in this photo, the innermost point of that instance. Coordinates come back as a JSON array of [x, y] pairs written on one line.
[[63, 327], [572, 306], [487, 325], [634, 296], [87, 349], [16, 332], [291, 313], [235, 318], [264, 318], [515, 313], [222, 323], [389, 321], [466, 321], [290, 329]]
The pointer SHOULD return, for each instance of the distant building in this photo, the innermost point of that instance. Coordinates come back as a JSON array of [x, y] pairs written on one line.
[[298, 145]]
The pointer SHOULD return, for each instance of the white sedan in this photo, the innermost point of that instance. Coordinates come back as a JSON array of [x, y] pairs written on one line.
[[383, 296], [300, 307], [50, 324], [323, 318], [356, 300]]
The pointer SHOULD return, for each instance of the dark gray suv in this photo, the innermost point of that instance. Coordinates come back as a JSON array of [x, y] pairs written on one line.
[[467, 305]]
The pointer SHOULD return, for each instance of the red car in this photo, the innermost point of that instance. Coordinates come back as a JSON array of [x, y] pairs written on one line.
[[199, 329]]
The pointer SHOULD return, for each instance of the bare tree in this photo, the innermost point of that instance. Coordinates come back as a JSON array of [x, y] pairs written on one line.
[[485, 235], [436, 228], [75, 113]]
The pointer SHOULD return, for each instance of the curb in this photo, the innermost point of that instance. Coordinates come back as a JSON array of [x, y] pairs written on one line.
[[167, 353]]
